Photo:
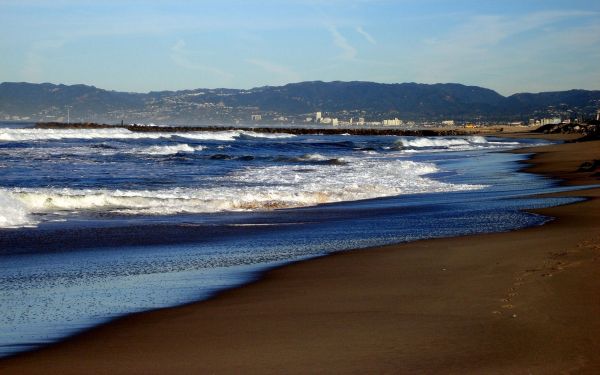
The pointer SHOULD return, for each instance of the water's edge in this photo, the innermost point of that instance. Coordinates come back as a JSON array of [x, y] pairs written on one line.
[[260, 271]]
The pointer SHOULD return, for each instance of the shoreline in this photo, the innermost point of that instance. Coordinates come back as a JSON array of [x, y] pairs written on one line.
[[290, 311]]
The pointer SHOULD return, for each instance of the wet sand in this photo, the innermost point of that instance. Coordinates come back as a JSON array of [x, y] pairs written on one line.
[[509, 303]]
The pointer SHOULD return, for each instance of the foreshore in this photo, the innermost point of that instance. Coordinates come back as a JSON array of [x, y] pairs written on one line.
[[506, 303]]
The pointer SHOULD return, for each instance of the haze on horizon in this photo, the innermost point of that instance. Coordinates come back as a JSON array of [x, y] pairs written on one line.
[[133, 45]]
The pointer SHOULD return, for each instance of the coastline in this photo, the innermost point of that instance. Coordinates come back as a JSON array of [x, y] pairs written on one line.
[[493, 303]]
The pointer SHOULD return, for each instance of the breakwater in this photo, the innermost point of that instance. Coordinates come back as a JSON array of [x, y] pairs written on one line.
[[288, 130]]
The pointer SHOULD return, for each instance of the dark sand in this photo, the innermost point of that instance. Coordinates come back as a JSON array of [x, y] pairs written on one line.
[[510, 303]]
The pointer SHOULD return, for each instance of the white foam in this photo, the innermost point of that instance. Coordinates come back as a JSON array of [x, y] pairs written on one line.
[[313, 157], [268, 135], [432, 142], [273, 187], [451, 144], [226, 136], [477, 139], [166, 150], [19, 135], [13, 213]]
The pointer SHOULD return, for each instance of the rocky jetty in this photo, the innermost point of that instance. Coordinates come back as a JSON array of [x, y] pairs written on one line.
[[297, 131], [589, 131]]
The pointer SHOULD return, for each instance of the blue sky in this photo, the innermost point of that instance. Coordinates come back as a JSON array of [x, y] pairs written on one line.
[[133, 45]]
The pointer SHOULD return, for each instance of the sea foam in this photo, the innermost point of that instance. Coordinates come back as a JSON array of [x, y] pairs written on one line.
[[166, 150], [451, 144], [13, 212], [20, 135], [272, 187]]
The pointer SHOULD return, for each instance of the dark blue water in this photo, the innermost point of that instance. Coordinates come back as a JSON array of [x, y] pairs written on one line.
[[97, 224]]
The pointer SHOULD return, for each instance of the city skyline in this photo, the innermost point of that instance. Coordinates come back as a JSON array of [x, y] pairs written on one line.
[[140, 46]]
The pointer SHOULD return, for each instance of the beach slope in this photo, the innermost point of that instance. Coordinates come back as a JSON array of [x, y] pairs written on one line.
[[508, 303]]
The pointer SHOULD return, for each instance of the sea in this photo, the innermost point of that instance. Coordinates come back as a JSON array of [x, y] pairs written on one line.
[[100, 223]]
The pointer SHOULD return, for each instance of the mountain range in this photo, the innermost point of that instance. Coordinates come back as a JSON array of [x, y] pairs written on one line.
[[291, 102]]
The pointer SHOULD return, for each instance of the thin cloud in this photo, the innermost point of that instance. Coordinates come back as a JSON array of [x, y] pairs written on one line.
[[367, 36], [348, 51], [482, 41]]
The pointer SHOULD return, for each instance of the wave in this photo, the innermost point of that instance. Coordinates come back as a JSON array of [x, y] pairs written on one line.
[[166, 150], [250, 134], [20, 135], [226, 136], [14, 212], [456, 144], [272, 187]]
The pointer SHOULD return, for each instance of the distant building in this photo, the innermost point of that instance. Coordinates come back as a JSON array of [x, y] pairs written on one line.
[[318, 117], [393, 122], [448, 122], [598, 115], [550, 121], [308, 119], [361, 121], [334, 122], [256, 117]]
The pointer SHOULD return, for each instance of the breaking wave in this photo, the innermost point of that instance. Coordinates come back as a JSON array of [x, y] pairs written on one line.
[[272, 187], [446, 144], [250, 134], [19, 135], [166, 150], [13, 212]]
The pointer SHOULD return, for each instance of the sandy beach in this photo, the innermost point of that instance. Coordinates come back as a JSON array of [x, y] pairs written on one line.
[[507, 303]]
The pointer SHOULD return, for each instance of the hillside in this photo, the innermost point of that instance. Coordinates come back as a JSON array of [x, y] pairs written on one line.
[[408, 101]]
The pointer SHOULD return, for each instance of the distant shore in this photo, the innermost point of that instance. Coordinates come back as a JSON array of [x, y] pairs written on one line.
[[519, 302]]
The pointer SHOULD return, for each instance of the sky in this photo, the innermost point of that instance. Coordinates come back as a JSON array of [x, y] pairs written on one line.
[[140, 46]]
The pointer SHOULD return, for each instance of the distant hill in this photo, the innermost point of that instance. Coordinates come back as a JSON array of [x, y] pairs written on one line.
[[407, 101], [406, 98]]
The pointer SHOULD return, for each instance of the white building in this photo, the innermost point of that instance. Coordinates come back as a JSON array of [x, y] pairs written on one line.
[[550, 121], [448, 123], [256, 117], [334, 121], [318, 117], [393, 122], [361, 121]]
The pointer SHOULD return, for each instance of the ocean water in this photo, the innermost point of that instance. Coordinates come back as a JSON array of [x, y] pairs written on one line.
[[95, 224]]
